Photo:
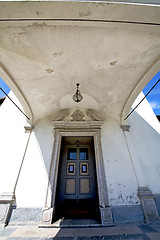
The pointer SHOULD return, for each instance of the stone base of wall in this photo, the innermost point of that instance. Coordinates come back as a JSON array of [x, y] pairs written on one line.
[[127, 214], [106, 216], [6, 200], [22, 216], [47, 215], [121, 214], [149, 206], [33, 216]]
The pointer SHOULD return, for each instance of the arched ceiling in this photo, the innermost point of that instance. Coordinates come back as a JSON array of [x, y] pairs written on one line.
[[111, 49]]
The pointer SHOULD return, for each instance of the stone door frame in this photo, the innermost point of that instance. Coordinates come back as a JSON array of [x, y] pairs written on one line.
[[77, 129]]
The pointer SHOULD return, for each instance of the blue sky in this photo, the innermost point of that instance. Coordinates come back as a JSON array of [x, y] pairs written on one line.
[[4, 86], [153, 98]]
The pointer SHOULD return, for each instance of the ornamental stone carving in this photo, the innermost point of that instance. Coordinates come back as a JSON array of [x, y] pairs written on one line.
[[78, 127], [59, 116], [125, 128], [94, 115], [77, 116]]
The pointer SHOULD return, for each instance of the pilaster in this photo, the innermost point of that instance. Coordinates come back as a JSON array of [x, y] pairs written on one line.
[[149, 206], [6, 200], [47, 215], [106, 216]]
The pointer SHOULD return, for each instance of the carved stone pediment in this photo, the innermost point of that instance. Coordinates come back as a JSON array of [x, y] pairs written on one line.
[[77, 116], [61, 115], [94, 115]]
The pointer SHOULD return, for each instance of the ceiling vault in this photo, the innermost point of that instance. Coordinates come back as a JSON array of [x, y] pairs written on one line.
[[111, 49]]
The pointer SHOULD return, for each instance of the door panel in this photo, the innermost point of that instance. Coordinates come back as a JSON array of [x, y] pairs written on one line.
[[70, 186], [84, 186], [78, 172]]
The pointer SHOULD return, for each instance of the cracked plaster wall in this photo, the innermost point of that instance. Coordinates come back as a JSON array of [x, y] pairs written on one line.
[[121, 181], [123, 178]]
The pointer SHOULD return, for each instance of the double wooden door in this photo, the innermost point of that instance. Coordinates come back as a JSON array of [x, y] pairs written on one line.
[[77, 174]]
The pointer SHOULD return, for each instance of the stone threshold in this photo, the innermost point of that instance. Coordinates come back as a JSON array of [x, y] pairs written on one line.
[[73, 223]]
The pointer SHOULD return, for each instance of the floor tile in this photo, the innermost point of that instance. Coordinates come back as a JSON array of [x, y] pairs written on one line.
[[147, 228], [118, 232], [156, 227], [154, 236]]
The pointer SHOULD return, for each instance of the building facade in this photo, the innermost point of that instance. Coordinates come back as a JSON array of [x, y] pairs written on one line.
[[79, 159]]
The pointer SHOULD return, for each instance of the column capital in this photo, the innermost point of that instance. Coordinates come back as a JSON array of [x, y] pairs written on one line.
[[125, 128], [28, 129]]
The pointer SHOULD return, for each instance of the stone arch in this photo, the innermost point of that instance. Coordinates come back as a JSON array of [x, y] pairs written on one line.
[[142, 82], [7, 78]]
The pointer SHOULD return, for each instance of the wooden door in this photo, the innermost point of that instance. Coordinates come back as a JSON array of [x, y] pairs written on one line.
[[77, 175]]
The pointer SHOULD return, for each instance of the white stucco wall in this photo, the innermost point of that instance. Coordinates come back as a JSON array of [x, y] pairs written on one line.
[[121, 181], [33, 183], [123, 177], [12, 143], [145, 134], [146, 112], [33, 180], [136, 163]]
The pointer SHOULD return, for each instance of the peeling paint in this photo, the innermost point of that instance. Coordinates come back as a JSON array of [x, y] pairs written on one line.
[[85, 14], [22, 33], [49, 71], [120, 196], [37, 13], [113, 63], [58, 53], [37, 24]]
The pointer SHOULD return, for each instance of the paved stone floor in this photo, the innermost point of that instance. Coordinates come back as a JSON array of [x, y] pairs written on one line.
[[123, 232]]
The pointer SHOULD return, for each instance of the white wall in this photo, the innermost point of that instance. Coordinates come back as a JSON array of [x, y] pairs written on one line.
[[136, 163], [146, 112], [33, 180], [12, 143], [33, 183], [121, 181], [146, 141]]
